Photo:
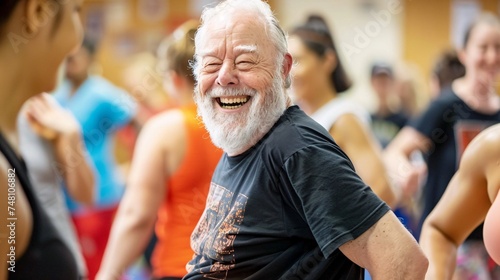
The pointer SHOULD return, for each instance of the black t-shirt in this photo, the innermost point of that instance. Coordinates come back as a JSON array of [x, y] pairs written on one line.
[[46, 257], [450, 124], [387, 127], [282, 209]]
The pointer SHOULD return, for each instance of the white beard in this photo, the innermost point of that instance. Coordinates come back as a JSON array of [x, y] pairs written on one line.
[[236, 133]]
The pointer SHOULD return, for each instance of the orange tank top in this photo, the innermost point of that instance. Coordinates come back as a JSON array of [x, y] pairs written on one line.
[[184, 202]]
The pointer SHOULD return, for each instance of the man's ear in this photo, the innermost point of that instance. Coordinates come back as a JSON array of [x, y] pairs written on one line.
[[287, 67], [35, 15], [287, 64], [330, 61]]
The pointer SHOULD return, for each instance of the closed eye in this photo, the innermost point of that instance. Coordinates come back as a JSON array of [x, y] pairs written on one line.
[[211, 67], [244, 65]]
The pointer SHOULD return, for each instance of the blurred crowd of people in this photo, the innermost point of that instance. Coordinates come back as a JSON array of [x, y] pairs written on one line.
[[115, 175]]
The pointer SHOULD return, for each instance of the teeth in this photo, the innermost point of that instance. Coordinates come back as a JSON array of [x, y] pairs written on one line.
[[231, 107], [234, 100]]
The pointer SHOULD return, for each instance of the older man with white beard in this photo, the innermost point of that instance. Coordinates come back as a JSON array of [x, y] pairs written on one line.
[[285, 201]]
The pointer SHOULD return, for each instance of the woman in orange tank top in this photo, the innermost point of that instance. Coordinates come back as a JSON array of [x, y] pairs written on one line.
[[169, 177], [471, 198]]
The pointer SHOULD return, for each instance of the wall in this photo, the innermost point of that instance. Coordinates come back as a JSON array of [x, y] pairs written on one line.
[[414, 31], [365, 31]]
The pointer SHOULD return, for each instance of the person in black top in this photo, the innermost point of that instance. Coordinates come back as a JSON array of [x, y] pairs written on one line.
[[388, 119], [285, 201], [35, 36], [445, 128]]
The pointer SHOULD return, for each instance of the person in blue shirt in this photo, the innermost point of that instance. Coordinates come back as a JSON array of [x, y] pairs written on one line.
[[101, 108]]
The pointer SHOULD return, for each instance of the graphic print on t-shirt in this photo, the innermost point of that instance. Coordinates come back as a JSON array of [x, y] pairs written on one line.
[[216, 231], [465, 131]]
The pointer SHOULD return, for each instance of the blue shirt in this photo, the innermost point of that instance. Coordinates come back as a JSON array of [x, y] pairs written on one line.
[[100, 108]]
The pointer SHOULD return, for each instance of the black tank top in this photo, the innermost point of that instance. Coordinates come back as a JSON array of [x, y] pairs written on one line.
[[46, 256]]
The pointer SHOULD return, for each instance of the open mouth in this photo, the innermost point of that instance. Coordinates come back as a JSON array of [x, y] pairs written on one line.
[[232, 102]]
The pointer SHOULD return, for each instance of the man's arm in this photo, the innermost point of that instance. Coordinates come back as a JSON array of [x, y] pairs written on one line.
[[462, 208], [388, 251]]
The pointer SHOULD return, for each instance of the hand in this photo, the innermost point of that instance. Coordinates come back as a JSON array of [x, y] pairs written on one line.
[[49, 120], [410, 181]]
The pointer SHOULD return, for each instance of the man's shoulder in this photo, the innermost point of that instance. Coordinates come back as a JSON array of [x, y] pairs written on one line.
[[295, 131]]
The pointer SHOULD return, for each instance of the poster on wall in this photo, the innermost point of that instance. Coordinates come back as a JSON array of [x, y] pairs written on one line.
[[118, 15], [152, 10], [197, 6], [94, 23], [463, 12]]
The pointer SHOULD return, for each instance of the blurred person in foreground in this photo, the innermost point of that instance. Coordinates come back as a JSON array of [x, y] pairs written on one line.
[[284, 201], [53, 149], [472, 197], [35, 37]]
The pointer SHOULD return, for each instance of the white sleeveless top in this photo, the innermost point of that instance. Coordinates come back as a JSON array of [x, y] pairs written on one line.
[[45, 177], [327, 115]]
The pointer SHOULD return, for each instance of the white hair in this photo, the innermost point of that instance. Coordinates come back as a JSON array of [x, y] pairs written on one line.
[[262, 10]]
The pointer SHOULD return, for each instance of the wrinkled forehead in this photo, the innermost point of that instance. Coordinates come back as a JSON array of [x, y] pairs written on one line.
[[228, 33]]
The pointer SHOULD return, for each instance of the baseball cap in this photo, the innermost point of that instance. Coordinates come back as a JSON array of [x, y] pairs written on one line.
[[381, 68]]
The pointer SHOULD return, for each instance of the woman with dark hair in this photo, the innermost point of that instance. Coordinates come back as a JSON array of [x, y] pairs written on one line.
[[445, 128], [35, 36], [319, 79]]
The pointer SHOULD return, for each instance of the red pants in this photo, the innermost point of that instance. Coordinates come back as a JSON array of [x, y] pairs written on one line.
[[93, 229]]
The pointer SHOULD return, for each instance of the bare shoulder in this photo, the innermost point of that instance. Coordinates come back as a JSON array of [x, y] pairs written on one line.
[[167, 124], [166, 120], [348, 128], [164, 132], [348, 121]]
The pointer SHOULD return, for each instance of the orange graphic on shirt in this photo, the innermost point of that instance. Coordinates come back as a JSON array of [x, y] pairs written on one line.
[[213, 238]]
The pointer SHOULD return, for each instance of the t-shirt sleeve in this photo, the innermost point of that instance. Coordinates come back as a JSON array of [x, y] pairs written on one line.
[[119, 108], [335, 203], [431, 119]]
